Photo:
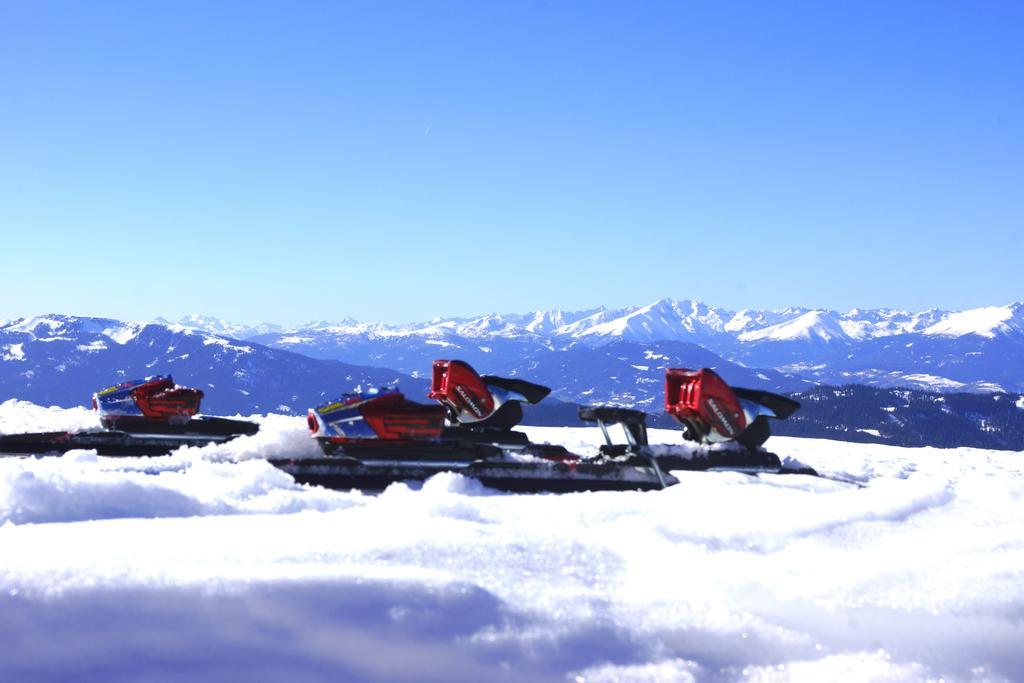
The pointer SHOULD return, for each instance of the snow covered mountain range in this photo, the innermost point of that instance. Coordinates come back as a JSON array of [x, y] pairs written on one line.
[[596, 356], [975, 350], [670, 320]]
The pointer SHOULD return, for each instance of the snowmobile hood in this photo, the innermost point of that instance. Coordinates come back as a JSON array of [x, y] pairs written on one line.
[[156, 397], [385, 414]]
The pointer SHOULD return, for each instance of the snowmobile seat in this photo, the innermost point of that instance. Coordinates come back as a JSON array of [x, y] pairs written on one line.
[[507, 416]]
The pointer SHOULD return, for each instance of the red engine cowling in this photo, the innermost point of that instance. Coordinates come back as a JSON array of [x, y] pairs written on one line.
[[457, 385], [702, 401], [163, 400], [393, 417]]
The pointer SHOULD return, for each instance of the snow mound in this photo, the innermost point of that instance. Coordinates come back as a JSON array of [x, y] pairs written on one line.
[[18, 417], [122, 569], [280, 436], [80, 486]]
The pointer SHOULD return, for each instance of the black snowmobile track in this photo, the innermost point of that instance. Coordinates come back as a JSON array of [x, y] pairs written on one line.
[[534, 469], [156, 439], [515, 477]]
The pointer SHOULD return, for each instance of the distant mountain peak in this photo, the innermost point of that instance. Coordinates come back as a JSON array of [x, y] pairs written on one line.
[[988, 322], [214, 325], [816, 324]]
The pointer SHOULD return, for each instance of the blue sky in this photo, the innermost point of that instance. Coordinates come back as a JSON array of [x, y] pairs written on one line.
[[398, 161]]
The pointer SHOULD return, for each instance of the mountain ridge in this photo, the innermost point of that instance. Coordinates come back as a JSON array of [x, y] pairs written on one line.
[[662, 320], [973, 350]]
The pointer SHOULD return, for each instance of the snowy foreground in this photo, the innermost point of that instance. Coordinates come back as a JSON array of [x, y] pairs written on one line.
[[196, 567]]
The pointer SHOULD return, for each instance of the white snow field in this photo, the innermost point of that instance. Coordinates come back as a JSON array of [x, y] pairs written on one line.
[[195, 567]]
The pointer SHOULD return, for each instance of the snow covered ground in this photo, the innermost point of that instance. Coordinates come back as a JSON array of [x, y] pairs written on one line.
[[195, 567]]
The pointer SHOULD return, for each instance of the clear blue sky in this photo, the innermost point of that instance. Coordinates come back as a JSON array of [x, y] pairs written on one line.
[[400, 160]]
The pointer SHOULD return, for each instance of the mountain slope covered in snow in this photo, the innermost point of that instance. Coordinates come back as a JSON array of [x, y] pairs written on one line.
[[668, 319], [978, 350]]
